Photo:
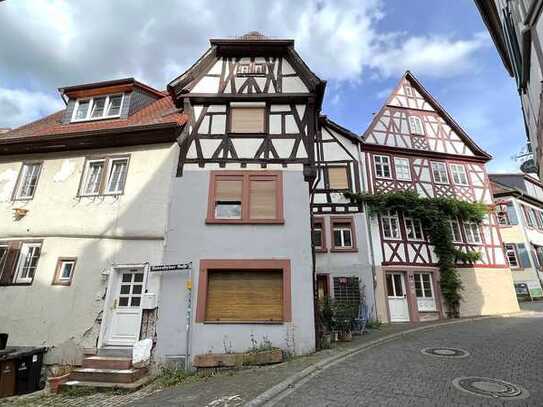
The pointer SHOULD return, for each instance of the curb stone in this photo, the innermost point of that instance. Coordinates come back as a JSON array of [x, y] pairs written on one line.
[[288, 385]]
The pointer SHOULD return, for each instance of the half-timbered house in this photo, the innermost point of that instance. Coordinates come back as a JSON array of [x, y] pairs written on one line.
[[240, 207], [340, 233], [413, 144]]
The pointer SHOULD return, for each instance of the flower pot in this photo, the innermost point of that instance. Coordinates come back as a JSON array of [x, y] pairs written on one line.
[[56, 381], [326, 341]]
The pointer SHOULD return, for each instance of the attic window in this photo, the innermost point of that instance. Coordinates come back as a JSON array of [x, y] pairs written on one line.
[[251, 69], [98, 107]]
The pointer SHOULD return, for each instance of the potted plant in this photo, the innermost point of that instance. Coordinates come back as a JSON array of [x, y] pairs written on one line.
[[58, 374], [326, 322]]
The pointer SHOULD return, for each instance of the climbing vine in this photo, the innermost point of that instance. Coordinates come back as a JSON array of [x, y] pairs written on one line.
[[434, 214]]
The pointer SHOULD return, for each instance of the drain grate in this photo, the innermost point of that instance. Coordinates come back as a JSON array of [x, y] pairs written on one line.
[[449, 353], [490, 388]]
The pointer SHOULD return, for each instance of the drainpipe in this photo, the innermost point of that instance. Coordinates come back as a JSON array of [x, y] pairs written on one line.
[[368, 229], [313, 254]]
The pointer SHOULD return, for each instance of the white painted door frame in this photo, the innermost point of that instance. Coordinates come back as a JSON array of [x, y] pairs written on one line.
[[398, 306], [111, 305]]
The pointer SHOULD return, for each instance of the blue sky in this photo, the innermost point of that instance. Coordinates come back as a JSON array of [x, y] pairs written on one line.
[[361, 47]]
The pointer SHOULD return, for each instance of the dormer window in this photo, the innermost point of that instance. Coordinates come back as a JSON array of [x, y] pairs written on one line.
[[98, 107]]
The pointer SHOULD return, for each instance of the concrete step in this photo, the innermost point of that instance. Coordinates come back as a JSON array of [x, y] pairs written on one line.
[[107, 375], [105, 386], [115, 351], [106, 362]]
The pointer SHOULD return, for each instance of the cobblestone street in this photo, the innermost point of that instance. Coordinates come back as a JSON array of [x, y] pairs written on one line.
[[398, 374]]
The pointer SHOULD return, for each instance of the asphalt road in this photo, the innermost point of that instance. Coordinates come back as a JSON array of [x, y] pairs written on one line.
[[399, 374]]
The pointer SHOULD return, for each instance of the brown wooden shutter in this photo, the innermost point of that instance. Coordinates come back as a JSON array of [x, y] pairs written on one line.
[[7, 272], [244, 295], [337, 178], [228, 189], [247, 119], [263, 199]]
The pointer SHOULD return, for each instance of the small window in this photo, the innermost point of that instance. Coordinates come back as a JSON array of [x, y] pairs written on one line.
[[65, 271], [98, 107], [413, 229], [501, 213], [459, 176], [247, 120], [473, 232], [27, 181], [391, 225], [511, 253], [104, 176], [382, 166], [28, 262], [245, 197], [530, 216], [338, 178], [439, 172], [423, 285], [403, 172], [343, 237], [318, 236], [456, 235], [409, 91], [415, 125]]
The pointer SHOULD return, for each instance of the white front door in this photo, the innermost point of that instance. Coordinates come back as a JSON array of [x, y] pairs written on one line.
[[125, 321], [397, 297]]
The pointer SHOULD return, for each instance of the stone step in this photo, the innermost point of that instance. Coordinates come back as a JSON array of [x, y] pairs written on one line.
[[106, 386], [106, 362], [107, 375], [115, 351]]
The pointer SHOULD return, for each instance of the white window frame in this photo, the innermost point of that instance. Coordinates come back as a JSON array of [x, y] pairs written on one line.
[[25, 247], [416, 225], [61, 270], [406, 165], [414, 122], [469, 228], [390, 217], [433, 166], [422, 284], [86, 176], [24, 173], [459, 170], [4, 256], [107, 106], [111, 162], [342, 230], [381, 163], [511, 247], [409, 91], [453, 237]]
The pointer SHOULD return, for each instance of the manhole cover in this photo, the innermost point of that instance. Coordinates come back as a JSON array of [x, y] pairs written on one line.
[[490, 388], [442, 352]]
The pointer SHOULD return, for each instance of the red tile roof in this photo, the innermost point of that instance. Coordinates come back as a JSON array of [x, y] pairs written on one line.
[[162, 111]]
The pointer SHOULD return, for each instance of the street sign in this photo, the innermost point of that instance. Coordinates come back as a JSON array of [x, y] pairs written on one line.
[[171, 267]]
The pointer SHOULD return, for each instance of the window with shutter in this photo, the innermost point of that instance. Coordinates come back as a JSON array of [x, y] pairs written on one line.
[[255, 291], [245, 296], [245, 197], [8, 262], [247, 120], [338, 178]]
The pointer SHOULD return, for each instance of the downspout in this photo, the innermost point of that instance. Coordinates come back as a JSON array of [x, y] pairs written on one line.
[[312, 188], [368, 229]]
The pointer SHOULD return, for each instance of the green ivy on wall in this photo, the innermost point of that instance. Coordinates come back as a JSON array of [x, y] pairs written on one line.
[[434, 214]]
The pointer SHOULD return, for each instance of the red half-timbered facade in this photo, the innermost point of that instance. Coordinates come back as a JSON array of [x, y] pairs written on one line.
[[413, 144]]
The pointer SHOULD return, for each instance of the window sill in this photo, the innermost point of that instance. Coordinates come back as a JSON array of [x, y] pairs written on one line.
[[94, 119], [23, 199], [102, 195], [62, 283], [341, 250], [243, 322], [245, 222], [321, 250], [15, 284]]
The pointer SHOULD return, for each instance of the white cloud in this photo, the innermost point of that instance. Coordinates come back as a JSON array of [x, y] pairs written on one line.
[[20, 106], [436, 56]]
